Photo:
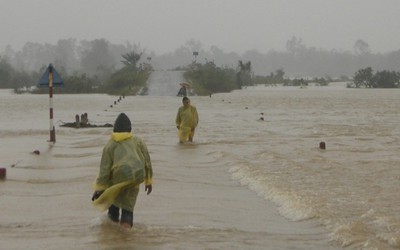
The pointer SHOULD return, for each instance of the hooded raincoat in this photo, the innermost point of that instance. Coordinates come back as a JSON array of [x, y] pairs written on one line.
[[187, 119], [125, 164]]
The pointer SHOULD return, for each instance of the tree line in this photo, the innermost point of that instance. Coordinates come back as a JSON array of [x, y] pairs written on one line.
[[366, 78], [208, 78], [97, 66], [85, 66], [99, 57], [129, 80]]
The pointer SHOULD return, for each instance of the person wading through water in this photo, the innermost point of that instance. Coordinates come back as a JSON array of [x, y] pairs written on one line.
[[124, 165], [186, 121]]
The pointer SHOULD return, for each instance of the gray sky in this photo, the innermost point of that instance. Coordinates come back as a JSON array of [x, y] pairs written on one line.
[[232, 25]]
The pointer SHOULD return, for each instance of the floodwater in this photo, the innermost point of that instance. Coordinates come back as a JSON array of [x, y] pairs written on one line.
[[245, 183]]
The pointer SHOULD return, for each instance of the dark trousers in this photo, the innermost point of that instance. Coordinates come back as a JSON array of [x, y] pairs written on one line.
[[126, 216]]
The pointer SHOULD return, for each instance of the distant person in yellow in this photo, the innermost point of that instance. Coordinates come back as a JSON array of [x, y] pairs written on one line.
[[124, 165], [186, 121]]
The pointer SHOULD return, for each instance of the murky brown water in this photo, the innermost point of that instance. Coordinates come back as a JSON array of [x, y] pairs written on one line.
[[243, 184]]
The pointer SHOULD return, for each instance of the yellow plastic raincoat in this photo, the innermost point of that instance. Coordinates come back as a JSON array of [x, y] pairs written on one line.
[[125, 164], [186, 120]]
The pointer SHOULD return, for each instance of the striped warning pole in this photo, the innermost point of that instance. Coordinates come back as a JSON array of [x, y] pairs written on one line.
[[52, 129]]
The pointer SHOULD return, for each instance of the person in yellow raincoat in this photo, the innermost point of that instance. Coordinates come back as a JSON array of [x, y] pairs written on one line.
[[186, 121], [125, 163]]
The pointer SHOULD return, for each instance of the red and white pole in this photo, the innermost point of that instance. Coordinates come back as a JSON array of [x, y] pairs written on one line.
[[52, 129]]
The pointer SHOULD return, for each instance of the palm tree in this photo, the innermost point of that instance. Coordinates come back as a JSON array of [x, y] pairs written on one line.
[[131, 58]]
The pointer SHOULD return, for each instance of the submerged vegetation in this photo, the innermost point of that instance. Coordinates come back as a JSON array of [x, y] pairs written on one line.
[[208, 78], [365, 78], [127, 81]]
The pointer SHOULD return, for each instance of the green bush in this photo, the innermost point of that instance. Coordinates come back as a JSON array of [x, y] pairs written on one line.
[[208, 78], [127, 81]]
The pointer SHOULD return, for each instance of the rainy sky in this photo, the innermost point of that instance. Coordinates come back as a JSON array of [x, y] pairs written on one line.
[[162, 26]]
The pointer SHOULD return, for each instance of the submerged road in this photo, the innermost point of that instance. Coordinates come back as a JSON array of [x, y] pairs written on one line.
[[164, 83]]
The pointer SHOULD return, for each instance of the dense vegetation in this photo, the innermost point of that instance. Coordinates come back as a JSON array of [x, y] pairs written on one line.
[[365, 78], [11, 78], [278, 77], [99, 57], [129, 80], [88, 67], [72, 84], [96, 66], [207, 78]]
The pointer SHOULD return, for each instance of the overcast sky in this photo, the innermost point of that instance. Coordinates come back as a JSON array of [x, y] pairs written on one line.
[[232, 25]]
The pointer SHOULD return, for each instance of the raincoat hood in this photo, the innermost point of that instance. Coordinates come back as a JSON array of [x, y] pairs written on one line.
[[121, 136], [122, 123]]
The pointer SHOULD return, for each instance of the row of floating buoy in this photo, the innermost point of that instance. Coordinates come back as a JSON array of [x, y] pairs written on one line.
[[3, 171], [117, 101], [261, 117], [322, 144]]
